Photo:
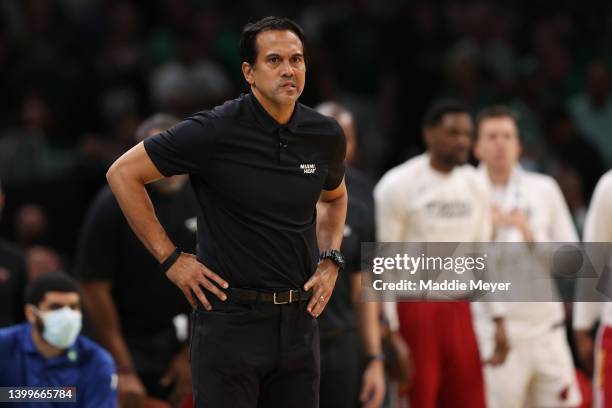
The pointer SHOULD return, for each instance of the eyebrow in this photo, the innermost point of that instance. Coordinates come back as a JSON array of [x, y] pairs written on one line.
[[56, 305], [275, 54]]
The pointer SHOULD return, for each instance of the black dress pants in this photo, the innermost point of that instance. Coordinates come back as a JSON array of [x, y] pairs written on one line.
[[255, 356]]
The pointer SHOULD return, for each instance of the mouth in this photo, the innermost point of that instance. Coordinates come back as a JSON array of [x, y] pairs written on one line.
[[288, 85]]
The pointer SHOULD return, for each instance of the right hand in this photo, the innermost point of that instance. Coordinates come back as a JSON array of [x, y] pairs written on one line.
[[132, 394], [585, 348], [190, 275]]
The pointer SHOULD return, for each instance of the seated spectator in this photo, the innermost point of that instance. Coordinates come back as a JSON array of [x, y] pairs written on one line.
[[48, 350], [41, 260]]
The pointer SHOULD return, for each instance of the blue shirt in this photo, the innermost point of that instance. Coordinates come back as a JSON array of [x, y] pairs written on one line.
[[85, 365]]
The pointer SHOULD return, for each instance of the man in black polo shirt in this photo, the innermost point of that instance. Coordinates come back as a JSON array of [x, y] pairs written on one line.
[[268, 174], [137, 326], [12, 279]]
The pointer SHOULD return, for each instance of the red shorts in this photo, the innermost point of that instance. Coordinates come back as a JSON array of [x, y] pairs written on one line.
[[602, 380], [448, 371]]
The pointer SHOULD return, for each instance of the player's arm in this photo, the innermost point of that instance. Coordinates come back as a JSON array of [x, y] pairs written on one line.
[[368, 315], [105, 321], [99, 385], [127, 178], [331, 215], [596, 229], [563, 229]]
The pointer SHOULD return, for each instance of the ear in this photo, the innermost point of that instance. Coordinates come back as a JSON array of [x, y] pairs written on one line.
[[30, 314], [247, 71]]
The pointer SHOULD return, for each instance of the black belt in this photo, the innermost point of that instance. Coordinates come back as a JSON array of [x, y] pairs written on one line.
[[277, 298]]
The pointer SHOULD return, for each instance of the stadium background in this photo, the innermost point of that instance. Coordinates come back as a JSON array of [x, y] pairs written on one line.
[[77, 76]]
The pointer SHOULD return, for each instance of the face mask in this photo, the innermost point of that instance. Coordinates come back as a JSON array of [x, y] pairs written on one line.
[[61, 327]]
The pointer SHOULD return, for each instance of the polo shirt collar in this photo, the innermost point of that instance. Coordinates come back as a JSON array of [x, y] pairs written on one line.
[[267, 122], [70, 355], [28, 342]]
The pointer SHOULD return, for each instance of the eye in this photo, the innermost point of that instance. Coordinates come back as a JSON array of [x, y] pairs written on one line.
[[273, 59], [296, 59]]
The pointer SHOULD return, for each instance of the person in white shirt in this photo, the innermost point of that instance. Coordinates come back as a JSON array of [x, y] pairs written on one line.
[[526, 207], [435, 197], [597, 228]]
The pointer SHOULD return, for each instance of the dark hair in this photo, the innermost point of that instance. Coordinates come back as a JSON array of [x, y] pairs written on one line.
[[160, 121], [49, 282], [248, 41], [496, 111], [437, 110]]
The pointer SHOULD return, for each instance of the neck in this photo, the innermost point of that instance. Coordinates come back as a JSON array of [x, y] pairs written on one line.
[[280, 113], [499, 177], [440, 166], [44, 348]]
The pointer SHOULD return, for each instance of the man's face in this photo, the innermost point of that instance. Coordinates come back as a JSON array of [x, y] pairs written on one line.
[[53, 301], [279, 72], [450, 140], [498, 145]]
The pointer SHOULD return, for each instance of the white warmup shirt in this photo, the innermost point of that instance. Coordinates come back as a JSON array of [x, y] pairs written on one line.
[[415, 203], [597, 228], [540, 198]]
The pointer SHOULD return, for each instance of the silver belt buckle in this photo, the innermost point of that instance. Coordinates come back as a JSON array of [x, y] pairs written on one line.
[[283, 303]]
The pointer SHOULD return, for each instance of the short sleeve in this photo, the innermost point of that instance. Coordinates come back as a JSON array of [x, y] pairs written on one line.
[[335, 173], [99, 252], [184, 148], [101, 386]]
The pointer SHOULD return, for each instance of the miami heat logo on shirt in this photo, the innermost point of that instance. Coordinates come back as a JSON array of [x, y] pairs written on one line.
[[309, 168], [448, 209]]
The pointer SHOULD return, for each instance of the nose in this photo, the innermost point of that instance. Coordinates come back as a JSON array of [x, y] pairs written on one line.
[[286, 69]]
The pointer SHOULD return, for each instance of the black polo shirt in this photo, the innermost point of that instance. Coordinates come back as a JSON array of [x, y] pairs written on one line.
[[109, 251], [339, 314], [12, 284], [257, 183]]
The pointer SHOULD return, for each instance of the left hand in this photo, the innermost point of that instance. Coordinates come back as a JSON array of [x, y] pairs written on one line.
[[502, 346], [322, 283], [373, 388], [179, 374]]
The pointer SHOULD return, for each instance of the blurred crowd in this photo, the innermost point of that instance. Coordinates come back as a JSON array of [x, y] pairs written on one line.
[[79, 76]]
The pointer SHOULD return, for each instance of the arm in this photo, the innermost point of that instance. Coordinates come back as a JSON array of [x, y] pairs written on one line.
[[586, 314], [100, 387], [373, 383], [106, 323], [562, 228], [127, 178], [390, 220], [331, 214]]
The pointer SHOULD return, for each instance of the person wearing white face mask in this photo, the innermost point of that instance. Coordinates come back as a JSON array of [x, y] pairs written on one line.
[[49, 351]]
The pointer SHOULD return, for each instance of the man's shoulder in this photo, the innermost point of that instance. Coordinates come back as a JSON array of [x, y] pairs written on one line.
[[405, 173], [605, 182], [311, 119], [10, 336], [539, 181], [236, 108], [94, 355]]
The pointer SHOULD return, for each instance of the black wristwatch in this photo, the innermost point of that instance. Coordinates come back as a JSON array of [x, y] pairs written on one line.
[[335, 256]]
